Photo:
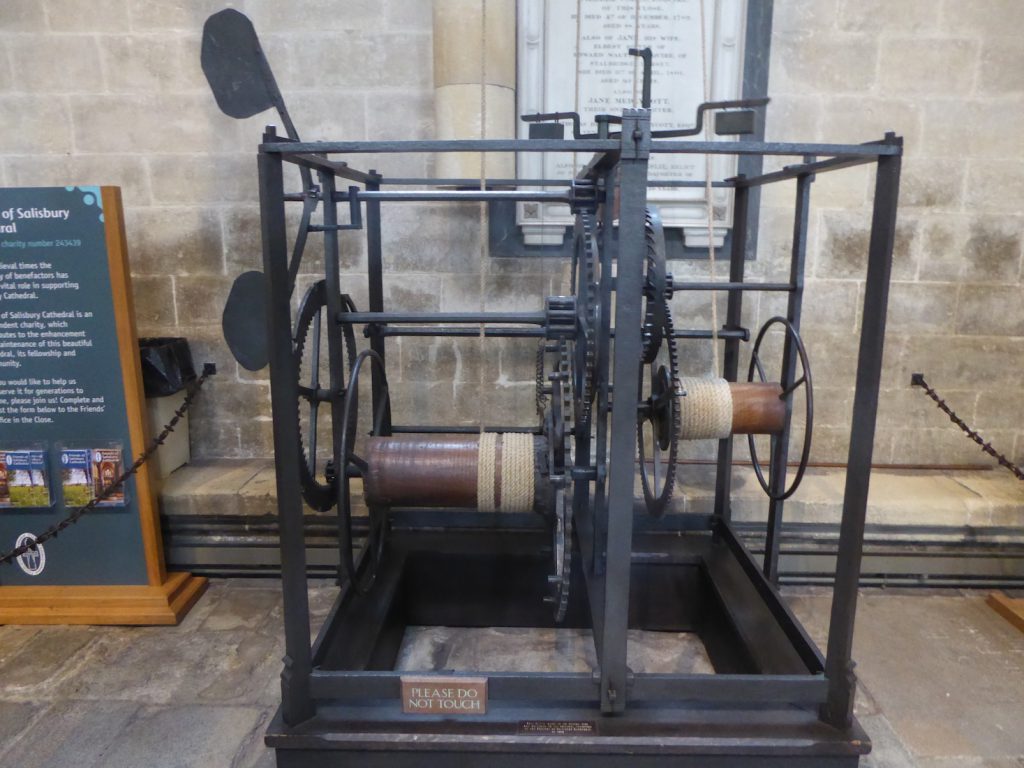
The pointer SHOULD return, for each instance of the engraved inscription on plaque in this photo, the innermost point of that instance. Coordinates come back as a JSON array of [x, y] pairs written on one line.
[[444, 695], [557, 727], [605, 79]]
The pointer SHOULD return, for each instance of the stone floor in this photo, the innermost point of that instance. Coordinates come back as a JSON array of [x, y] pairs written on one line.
[[942, 679]]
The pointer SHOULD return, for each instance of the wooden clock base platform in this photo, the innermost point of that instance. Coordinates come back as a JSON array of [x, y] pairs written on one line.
[[111, 604]]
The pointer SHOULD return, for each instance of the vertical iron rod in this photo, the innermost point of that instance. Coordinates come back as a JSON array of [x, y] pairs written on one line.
[[335, 344], [592, 529], [731, 359], [636, 136], [603, 363], [777, 476], [838, 664], [375, 278], [296, 702]]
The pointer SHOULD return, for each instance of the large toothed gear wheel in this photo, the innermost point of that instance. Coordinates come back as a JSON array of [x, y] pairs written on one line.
[[558, 428], [308, 345], [657, 287], [541, 388], [659, 421], [561, 545], [586, 284]]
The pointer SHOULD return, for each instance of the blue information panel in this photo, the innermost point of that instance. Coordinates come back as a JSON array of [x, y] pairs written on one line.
[[64, 424]]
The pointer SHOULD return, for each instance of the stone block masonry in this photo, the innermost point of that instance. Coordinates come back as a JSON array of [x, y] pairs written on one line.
[[110, 92], [947, 76]]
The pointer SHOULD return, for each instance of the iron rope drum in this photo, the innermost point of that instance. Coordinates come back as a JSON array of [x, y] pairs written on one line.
[[321, 495], [804, 381]]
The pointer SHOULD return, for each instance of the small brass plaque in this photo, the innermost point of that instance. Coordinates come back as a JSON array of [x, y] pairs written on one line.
[[558, 727], [444, 695]]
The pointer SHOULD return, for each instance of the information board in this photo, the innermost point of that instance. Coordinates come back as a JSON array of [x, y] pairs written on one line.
[[71, 407]]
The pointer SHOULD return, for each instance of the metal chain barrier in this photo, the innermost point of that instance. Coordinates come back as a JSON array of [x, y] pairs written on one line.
[[917, 380], [76, 514]]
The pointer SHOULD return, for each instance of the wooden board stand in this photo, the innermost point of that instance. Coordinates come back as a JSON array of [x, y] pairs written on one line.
[[1011, 609], [168, 596]]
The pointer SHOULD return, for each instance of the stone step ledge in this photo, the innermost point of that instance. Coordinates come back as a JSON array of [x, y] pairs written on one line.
[[984, 498]]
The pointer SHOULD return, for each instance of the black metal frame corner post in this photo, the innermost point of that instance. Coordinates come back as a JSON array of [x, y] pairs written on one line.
[[296, 700], [780, 456], [731, 358], [635, 152], [594, 559], [838, 661], [375, 286], [336, 365]]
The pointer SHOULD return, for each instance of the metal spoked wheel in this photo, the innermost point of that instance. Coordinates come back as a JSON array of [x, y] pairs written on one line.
[[368, 557], [804, 380], [659, 422], [308, 348]]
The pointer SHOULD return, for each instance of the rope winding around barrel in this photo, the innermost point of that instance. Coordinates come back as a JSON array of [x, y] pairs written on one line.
[[485, 471], [516, 472], [706, 410], [516, 491]]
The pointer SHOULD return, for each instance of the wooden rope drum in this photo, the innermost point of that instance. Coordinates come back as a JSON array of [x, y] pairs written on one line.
[[499, 472], [491, 472], [713, 408]]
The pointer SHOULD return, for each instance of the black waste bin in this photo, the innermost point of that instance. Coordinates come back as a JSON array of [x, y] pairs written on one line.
[[167, 365]]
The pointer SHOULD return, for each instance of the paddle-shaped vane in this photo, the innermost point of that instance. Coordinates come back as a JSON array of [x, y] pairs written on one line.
[[236, 69], [243, 85]]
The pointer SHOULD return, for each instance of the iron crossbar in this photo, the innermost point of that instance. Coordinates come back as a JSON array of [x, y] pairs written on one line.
[[384, 330], [474, 318], [306, 151], [461, 195], [525, 182], [684, 285], [539, 689]]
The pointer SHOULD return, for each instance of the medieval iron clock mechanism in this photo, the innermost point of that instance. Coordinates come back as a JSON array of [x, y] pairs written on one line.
[[544, 524]]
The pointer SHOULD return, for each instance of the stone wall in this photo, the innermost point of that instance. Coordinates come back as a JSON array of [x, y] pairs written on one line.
[[949, 77], [111, 92]]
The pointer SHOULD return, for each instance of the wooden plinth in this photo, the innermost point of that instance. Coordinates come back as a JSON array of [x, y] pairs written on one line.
[[1011, 609], [165, 604]]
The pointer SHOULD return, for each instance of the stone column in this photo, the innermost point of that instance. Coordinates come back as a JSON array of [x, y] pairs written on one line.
[[474, 76]]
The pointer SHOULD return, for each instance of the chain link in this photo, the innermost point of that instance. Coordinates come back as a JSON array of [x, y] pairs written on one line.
[[76, 514], [918, 381]]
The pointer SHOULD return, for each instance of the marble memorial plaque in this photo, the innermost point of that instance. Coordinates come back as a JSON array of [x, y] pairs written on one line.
[[605, 79]]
